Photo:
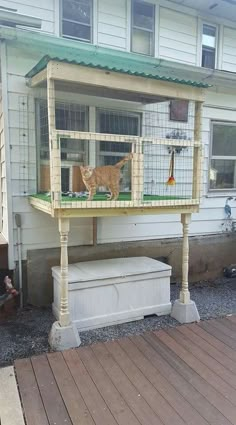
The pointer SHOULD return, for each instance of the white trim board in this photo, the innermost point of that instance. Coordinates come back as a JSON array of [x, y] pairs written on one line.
[[10, 405]]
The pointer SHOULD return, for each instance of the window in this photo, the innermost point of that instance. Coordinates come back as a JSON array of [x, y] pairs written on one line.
[[143, 28], [209, 39], [77, 19], [115, 122], [223, 159], [71, 117]]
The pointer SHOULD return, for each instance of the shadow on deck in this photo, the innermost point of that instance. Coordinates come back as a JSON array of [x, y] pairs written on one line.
[[185, 375]]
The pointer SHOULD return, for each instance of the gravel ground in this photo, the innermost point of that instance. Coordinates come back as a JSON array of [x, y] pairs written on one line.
[[26, 334]]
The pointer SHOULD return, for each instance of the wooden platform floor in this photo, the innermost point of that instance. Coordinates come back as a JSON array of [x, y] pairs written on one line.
[[185, 375]]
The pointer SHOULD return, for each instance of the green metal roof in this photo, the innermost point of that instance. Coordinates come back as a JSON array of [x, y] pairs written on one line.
[[110, 61], [75, 52]]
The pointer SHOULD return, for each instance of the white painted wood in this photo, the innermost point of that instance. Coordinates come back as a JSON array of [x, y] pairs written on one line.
[[112, 24], [43, 10], [229, 50], [184, 293], [108, 292], [7, 184], [10, 405], [177, 36]]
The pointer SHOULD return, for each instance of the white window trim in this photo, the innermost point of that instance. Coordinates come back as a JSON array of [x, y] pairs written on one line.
[[219, 42], [224, 191], [155, 31], [94, 23]]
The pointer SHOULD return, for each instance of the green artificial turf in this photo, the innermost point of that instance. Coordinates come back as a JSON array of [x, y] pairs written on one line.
[[103, 197]]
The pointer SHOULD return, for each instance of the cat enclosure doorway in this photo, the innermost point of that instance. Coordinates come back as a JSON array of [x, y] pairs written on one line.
[[162, 174]]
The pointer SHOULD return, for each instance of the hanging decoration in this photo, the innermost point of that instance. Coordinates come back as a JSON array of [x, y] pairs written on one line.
[[171, 179]]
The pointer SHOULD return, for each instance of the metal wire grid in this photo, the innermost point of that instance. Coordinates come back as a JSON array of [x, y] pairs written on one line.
[[160, 138]]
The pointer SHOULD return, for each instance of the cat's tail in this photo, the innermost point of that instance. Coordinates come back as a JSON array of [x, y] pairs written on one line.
[[121, 163]]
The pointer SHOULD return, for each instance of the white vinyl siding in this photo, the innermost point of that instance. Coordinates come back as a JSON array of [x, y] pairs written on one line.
[[3, 204], [43, 9], [229, 50], [177, 36], [39, 230], [112, 24]]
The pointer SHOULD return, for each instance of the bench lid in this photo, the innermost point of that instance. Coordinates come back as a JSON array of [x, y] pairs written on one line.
[[116, 267]]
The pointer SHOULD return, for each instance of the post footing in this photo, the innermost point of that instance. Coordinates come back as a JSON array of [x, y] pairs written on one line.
[[63, 338], [185, 313]]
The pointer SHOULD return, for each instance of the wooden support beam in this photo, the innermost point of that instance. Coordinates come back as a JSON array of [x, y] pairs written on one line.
[[184, 293], [72, 73], [197, 151], [38, 79]]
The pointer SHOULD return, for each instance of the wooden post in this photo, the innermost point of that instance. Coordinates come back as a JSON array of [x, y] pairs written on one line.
[[137, 172], [197, 152], [64, 315], [184, 293], [54, 145]]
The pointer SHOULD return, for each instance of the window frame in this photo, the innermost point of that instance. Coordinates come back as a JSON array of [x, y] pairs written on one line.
[[77, 22], [210, 24], [64, 163], [132, 27], [220, 157]]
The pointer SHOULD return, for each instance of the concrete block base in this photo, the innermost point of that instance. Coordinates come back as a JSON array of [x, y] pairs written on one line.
[[185, 313], [63, 338]]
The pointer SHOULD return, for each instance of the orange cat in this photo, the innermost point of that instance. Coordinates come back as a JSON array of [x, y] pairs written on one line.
[[107, 175]]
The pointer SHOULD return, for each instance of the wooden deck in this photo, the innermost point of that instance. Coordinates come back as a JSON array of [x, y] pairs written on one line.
[[185, 375]]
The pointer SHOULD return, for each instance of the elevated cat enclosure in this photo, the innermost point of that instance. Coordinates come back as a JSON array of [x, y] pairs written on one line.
[[161, 148], [91, 115]]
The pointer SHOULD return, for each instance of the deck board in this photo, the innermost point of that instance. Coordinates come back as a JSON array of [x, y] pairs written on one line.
[[183, 375]]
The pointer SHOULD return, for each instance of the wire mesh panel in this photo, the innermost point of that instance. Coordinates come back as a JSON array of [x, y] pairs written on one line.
[[142, 156], [168, 171]]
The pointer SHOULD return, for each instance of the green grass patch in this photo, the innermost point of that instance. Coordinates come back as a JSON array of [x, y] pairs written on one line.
[[103, 197]]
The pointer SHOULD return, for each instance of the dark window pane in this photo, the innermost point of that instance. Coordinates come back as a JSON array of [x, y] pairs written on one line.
[[83, 32], [77, 11], [209, 30], [208, 57], [65, 179], [224, 140], [143, 15], [222, 174], [70, 117], [119, 124]]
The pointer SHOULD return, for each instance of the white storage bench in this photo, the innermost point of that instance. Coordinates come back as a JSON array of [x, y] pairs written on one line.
[[107, 292]]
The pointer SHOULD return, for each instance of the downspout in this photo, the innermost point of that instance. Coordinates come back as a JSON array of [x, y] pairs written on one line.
[[18, 225], [5, 104]]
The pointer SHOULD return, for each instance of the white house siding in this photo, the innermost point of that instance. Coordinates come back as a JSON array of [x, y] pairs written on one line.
[[229, 50], [209, 220], [3, 190], [38, 229], [177, 36], [177, 41], [43, 9], [112, 24]]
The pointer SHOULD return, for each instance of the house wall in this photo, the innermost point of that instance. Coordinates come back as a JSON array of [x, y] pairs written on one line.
[[44, 9], [39, 230], [177, 36], [177, 28], [177, 39], [3, 192], [229, 49]]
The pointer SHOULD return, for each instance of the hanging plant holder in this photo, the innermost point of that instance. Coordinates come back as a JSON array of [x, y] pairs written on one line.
[[171, 180]]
